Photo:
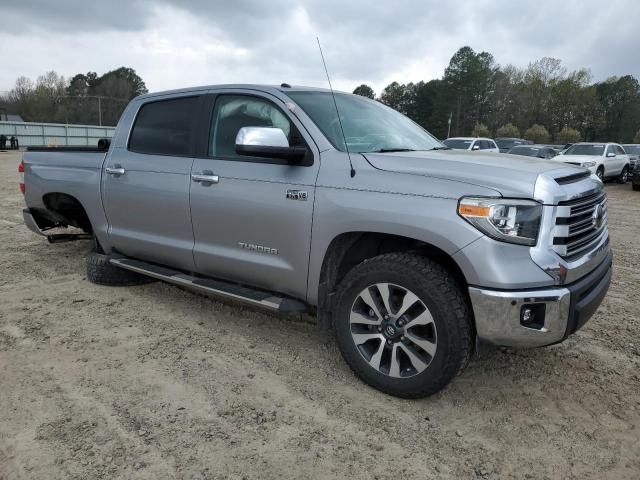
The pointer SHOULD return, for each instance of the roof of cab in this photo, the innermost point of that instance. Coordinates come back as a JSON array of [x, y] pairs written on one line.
[[245, 86]]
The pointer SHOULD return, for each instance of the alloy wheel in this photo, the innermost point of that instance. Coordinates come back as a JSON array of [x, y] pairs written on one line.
[[393, 330]]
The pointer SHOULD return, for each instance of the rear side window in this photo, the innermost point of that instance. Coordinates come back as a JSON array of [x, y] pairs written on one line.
[[165, 127]]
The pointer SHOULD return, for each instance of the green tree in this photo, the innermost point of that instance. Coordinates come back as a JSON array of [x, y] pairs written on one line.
[[365, 91], [568, 135], [508, 130], [396, 96], [480, 130], [537, 134], [619, 100], [469, 80]]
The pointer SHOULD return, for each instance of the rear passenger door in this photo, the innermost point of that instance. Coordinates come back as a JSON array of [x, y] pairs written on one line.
[[253, 225], [622, 157], [610, 163], [145, 184]]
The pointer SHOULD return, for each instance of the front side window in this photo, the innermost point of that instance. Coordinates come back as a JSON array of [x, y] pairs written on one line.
[[165, 127], [369, 126], [619, 150], [232, 112]]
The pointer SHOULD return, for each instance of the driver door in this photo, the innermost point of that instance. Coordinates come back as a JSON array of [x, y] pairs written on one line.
[[253, 225]]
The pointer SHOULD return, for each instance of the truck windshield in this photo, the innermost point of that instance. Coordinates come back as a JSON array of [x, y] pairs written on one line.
[[585, 150], [458, 144], [632, 149], [368, 125]]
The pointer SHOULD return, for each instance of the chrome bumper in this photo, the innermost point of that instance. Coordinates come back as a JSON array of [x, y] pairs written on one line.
[[30, 222], [566, 309], [498, 316]]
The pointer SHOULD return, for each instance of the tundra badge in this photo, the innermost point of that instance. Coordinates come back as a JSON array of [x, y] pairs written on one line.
[[258, 248]]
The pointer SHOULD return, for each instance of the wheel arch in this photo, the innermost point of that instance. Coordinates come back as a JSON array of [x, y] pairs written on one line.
[[67, 209], [349, 249]]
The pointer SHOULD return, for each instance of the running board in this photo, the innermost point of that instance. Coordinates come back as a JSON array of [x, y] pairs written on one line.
[[232, 291], [68, 237]]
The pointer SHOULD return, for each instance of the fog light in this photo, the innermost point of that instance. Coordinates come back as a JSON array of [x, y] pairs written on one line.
[[532, 315]]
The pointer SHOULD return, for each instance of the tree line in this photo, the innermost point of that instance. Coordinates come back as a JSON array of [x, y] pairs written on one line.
[[543, 102], [86, 98]]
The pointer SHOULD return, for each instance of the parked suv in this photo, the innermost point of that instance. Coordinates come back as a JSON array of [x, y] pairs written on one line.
[[414, 254], [471, 143], [506, 143], [635, 180], [538, 151], [606, 160], [633, 150]]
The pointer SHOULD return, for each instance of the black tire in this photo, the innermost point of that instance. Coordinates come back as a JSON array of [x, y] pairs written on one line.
[[600, 173], [636, 186], [101, 272], [441, 295], [624, 175]]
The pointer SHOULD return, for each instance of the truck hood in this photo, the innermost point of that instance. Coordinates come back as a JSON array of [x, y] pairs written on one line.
[[510, 175]]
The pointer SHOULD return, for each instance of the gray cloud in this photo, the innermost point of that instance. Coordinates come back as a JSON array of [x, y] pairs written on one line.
[[174, 43]]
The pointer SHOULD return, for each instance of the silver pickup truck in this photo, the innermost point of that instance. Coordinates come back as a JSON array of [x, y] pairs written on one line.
[[414, 254]]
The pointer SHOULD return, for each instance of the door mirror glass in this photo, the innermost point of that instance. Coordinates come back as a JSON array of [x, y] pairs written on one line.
[[268, 142]]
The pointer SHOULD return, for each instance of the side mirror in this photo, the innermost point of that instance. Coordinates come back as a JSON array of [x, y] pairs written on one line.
[[267, 142], [611, 154], [475, 147]]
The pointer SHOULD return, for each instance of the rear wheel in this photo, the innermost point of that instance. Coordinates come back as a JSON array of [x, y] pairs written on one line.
[[403, 324], [624, 175], [101, 272]]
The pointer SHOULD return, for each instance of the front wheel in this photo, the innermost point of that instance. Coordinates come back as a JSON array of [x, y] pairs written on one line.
[[600, 174], [403, 324], [624, 175]]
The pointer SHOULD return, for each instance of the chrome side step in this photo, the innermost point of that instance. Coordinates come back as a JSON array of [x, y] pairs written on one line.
[[220, 288]]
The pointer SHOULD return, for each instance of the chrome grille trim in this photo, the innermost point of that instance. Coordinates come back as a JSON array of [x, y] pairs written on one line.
[[574, 231]]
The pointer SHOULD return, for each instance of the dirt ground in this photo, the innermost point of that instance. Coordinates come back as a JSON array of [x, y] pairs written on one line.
[[156, 382]]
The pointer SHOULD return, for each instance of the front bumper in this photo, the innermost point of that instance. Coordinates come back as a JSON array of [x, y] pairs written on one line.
[[566, 309]]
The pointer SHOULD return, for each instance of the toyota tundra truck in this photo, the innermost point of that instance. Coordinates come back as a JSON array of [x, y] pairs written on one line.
[[306, 200]]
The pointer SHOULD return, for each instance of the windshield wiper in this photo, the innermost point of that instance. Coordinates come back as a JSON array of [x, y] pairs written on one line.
[[391, 150], [440, 148]]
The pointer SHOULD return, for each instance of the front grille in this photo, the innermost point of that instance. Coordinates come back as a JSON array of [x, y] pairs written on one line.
[[580, 224]]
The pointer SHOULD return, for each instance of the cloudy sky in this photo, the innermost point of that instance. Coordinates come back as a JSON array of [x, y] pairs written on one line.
[[173, 44]]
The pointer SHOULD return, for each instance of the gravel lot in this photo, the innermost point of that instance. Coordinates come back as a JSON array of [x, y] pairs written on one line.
[[156, 382]]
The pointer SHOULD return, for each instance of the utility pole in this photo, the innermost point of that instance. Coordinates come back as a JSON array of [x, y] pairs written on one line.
[[449, 122], [99, 110]]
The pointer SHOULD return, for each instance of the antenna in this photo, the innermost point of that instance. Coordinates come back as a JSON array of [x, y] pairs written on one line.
[[335, 104]]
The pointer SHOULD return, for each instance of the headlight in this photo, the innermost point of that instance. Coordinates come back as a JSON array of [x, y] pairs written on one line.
[[507, 220], [588, 164]]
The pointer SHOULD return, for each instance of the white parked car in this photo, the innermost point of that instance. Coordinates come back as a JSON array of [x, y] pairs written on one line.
[[606, 160], [472, 143]]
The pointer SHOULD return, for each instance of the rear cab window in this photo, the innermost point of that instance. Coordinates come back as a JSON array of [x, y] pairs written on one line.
[[165, 127]]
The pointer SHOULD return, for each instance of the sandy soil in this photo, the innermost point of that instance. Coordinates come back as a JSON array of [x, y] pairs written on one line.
[[156, 382]]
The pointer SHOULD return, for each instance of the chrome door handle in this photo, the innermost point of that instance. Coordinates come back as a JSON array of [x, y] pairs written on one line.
[[205, 177], [115, 170]]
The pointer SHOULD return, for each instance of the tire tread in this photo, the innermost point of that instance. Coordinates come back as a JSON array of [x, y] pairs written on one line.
[[435, 276]]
